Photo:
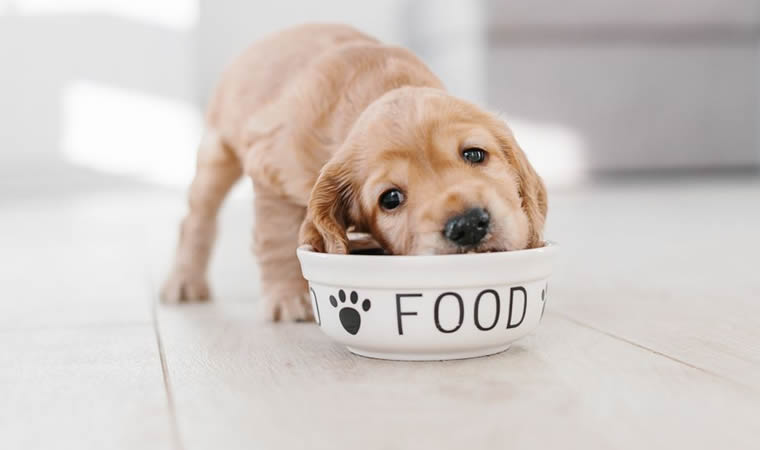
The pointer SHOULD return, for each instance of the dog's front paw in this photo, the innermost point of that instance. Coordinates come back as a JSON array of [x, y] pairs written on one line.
[[293, 308], [184, 287]]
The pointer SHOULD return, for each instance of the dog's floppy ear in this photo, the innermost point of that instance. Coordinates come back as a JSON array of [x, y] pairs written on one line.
[[532, 191], [328, 215]]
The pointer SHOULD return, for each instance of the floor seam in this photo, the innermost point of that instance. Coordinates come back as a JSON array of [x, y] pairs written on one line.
[[167, 384], [173, 422], [653, 351]]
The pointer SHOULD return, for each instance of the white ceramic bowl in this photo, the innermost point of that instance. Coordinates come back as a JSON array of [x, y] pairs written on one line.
[[428, 307]]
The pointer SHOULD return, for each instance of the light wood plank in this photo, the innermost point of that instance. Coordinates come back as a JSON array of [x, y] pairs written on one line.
[[73, 259], [670, 267], [638, 265], [85, 388], [239, 384]]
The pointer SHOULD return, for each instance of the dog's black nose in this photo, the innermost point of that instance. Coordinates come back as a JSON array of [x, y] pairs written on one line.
[[467, 229]]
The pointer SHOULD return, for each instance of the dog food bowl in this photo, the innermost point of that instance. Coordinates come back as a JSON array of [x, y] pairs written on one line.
[[428, 307]]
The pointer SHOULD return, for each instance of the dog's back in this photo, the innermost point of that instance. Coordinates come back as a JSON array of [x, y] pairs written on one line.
[[258, 76]]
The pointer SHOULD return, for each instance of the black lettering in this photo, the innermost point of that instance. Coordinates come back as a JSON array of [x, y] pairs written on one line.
[[511, 302], [477, 306], [461, 312], [405, 313]]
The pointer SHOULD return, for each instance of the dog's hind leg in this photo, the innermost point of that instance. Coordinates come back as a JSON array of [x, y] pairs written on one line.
[[218, 169]]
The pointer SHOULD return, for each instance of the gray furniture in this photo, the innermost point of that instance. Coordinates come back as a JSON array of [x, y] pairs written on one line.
[[653, 84]]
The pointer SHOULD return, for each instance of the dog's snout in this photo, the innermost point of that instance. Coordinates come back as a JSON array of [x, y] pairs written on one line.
[[469, 228]]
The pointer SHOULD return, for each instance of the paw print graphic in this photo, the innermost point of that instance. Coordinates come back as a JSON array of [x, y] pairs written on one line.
[[349, 314]]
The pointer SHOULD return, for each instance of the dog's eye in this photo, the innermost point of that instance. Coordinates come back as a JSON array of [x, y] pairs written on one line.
[[474, 155], [391, 199]]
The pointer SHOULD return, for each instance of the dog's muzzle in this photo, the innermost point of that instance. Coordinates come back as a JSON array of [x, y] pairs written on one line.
[[469, 228]]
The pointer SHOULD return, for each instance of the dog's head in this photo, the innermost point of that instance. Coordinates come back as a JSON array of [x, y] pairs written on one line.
[[426, 173]]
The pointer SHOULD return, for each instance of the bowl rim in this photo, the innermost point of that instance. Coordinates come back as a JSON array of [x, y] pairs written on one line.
[[549, 246], [427, 271]]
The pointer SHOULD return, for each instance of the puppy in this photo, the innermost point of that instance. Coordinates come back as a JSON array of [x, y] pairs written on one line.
[[340, 133]]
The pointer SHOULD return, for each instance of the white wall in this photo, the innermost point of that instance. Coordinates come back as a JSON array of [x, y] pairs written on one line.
[[117, 86], [74, 75], [226, 28]]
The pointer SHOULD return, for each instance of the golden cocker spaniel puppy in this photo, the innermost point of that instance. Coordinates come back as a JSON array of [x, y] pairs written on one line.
[[339, 133]]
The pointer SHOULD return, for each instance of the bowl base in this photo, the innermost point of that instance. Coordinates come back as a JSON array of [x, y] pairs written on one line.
[[429, 356]]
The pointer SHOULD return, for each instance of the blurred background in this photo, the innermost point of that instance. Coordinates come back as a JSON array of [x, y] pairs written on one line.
[[106, 90]]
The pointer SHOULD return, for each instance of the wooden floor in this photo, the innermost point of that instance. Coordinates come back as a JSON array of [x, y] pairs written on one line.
[[651, 337]]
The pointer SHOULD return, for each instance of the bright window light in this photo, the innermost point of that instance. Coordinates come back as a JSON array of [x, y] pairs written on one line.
[[174, 14], [125, 132], [555, 151]]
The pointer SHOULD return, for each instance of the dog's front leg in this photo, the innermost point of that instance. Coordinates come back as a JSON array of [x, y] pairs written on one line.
[[284, 292]]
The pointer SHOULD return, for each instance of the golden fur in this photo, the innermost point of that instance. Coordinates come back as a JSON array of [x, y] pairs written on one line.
[[324, 119]]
